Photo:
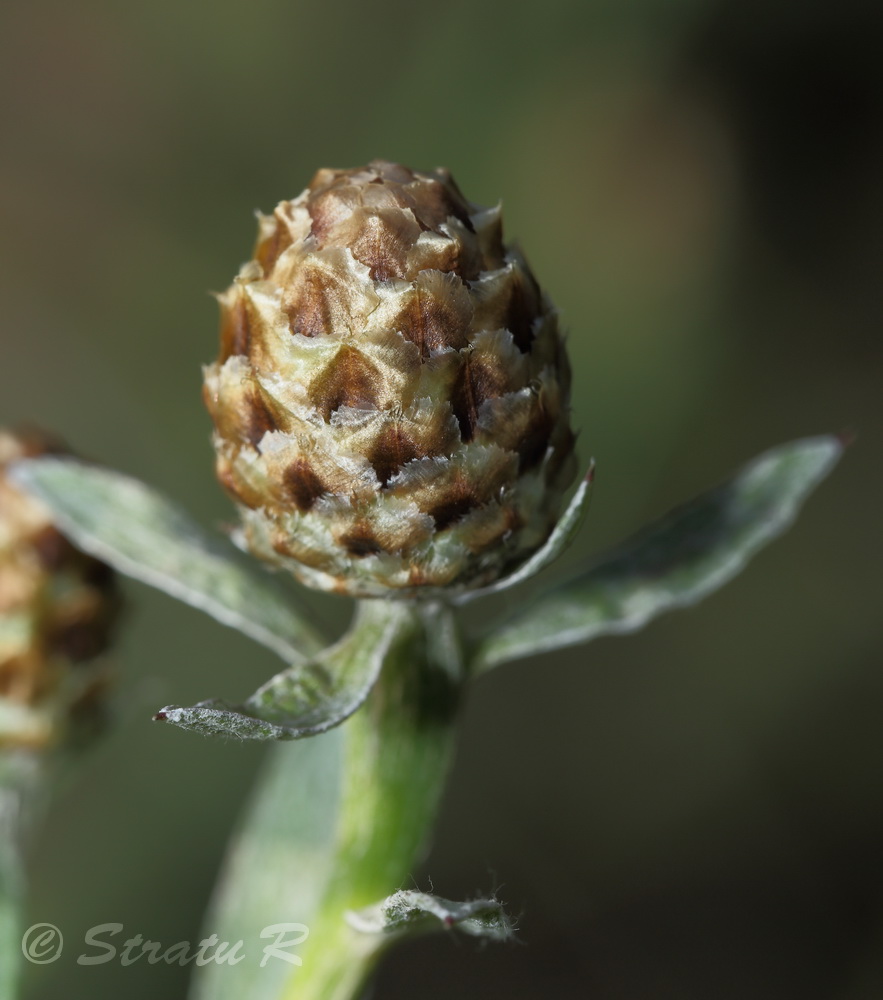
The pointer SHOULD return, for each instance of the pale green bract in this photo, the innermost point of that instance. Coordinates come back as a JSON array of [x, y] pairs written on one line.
[[142, 534], [307, 698], [562, 535], [675, 562]]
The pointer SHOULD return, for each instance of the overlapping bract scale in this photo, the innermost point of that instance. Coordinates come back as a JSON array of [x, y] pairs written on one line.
[[391, 396]]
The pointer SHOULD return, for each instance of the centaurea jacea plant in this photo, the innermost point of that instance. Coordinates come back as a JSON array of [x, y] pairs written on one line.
[[391, 418]]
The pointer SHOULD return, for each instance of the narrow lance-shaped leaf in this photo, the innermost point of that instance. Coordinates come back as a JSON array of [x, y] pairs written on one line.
[[675, 562], [144, 535], [277, 867], [408, 912], [308, 698]]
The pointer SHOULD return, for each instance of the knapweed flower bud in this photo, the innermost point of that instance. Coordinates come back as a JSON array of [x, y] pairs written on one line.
[[57, 606], [391, 398]]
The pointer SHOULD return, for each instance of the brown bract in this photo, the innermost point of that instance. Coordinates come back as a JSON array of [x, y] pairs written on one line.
[[391, 395], [57, 605]]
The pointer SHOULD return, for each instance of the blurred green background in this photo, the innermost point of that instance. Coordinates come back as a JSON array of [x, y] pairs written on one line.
[[695, 813]]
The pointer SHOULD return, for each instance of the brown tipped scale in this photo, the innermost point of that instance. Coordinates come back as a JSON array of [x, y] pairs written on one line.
[[391, 398], [57, 606]]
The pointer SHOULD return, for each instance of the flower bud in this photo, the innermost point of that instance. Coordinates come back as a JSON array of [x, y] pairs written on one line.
[[391, 398], [57, 606]]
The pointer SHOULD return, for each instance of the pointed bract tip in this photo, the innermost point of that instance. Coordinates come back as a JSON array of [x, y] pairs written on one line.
[[847, 437]]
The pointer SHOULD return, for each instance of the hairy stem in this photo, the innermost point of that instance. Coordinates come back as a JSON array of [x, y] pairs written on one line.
[[396, 755]]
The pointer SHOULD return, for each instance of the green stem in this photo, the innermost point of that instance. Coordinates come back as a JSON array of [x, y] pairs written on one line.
[[397, 750], [17, 777], [338, 822]]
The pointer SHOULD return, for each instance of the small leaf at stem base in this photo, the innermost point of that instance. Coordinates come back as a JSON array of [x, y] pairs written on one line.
[[408, 911]]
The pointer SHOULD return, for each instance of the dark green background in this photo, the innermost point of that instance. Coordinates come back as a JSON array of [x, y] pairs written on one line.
[[694, 813]]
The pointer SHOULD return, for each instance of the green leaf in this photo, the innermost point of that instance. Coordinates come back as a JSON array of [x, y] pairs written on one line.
[[562, 535], [277, 866], [675, 562], [142, 534], [409, 912], [308, 698]]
